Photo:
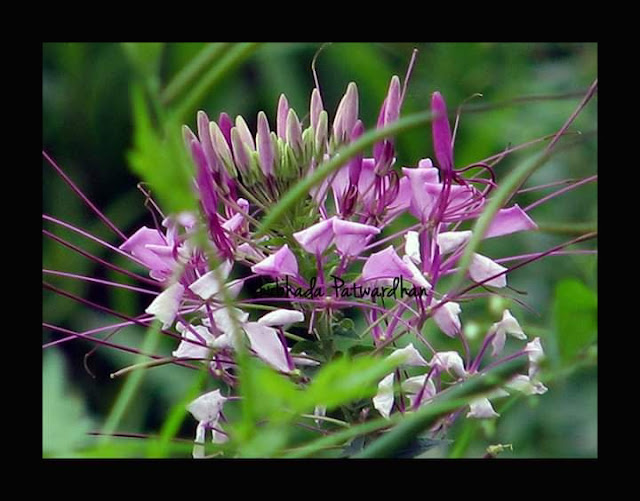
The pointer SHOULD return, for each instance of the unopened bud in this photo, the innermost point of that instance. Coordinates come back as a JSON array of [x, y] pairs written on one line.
[[282, 116], [245, 133], [316, 108], [321, 135], [347, 114], [265, 145], [294, 132], [221, 149]]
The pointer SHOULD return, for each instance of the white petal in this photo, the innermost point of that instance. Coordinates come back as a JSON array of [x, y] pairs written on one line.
[[414, 385], [450, 241], [417, 277], [266, 343], [481, 409], [408, 356], [165, 306], [447, 318], [511, 325], [218, 437], [320, 410], [208, 285], [412, 246], [221, 342], [449, 361], [302, 360], [383, 401], [187, 349], [499, 339], [535, 353], [482, 267], [525, 385], [206, 408], [198, 446], [281, 317]]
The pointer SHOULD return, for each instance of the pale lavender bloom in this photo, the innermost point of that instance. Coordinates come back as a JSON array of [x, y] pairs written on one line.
[[282, 262], [316, 238], [508, 221], [351, 238], [154, 250], [385, 264]]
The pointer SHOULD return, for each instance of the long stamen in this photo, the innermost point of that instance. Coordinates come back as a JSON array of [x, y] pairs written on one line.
[[96, 280], [98, 260], [91, 237], [77, 191]]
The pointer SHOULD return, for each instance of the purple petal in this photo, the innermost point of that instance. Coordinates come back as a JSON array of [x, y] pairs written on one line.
[[385, 264], [351, 238], [315, 239], [508, 221], [281, 263]]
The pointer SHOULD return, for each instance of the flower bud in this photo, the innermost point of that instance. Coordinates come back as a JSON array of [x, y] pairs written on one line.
[[245, 133], [294, 132], [282, 116], [221, 149], [441, 133], [321, 135], [265, 146], [241, 153], [347, 114], [316, 108]]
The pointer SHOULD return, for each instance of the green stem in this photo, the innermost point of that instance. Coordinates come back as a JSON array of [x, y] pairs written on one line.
[[187, 75], [234, 56], [131, 386]]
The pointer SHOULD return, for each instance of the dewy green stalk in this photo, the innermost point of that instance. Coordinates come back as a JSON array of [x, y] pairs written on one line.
[[298, 208]]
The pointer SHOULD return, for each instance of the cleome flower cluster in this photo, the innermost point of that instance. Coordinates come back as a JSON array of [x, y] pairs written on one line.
[[375, 241], [339, 232]]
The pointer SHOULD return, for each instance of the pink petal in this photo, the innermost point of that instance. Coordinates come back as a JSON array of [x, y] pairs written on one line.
[[385, 264], [281, 263], [351, 238], [508, 221], [315, 239]]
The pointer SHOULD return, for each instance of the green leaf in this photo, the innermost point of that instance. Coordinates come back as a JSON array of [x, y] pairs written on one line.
[[576, 318], [65, 423], [345, 379], [144, 57], [160, 158]]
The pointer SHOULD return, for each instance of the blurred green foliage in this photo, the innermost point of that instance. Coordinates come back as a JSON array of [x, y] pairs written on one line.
[[88, 128]]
